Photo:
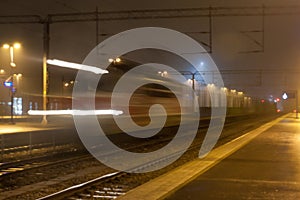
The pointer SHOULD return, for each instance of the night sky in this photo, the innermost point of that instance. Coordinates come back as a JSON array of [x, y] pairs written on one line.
[[279, 62]]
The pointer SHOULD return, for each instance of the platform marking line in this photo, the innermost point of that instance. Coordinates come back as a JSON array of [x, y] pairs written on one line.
[[251, 181], [163, 186]]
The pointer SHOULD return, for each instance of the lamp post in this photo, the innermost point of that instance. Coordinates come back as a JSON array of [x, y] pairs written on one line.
[[192, 79], [114, 61], [11, 48], [297, 117], [66, 85]]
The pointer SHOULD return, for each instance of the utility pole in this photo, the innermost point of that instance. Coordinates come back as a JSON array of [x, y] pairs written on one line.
[[296, 93], [12, 95], [46, 38]]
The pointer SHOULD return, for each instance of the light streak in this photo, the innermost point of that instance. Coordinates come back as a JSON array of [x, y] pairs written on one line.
[[71, 65], [75, 112]]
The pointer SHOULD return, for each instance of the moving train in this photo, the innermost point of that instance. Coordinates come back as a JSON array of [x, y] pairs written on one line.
[[157, 91]]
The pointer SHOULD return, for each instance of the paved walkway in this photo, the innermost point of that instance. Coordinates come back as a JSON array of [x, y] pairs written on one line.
[[262, 164]]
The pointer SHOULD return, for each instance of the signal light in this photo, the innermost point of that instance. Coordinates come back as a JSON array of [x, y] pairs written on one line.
[[262, 101]]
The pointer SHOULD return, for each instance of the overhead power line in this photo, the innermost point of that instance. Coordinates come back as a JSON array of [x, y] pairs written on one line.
[[177, 13], [155, 14]]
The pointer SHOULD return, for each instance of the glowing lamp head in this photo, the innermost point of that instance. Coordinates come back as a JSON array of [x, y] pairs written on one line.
[[6, 46], [12, 64], [17, 45]]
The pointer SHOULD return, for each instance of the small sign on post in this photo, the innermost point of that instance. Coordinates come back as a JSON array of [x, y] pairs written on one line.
[[285, 96], [292, 95], [289, 95]]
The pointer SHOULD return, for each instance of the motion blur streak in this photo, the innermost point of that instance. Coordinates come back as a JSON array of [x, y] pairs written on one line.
[[88, 68], [75, 112]]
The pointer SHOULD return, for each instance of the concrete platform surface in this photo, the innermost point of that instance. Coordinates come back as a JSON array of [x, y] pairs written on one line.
[[262, 164]]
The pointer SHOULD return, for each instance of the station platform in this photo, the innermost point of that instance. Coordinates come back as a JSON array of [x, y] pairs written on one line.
[[262, 164], [22, 127], [30, 124]]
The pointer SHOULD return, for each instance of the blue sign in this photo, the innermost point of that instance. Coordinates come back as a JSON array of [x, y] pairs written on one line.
[[8, 84]]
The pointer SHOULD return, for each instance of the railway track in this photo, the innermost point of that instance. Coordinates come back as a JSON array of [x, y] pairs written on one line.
[[110, 185], [113, 185], [56, 158], [27, 165], [16, 167]]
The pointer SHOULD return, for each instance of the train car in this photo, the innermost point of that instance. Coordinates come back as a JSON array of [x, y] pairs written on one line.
[[204, 96]]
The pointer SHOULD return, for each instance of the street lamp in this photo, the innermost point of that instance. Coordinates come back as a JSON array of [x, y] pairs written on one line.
[[192, 79], [114, 61], [66, 85], [163, 73], [11, 48]]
